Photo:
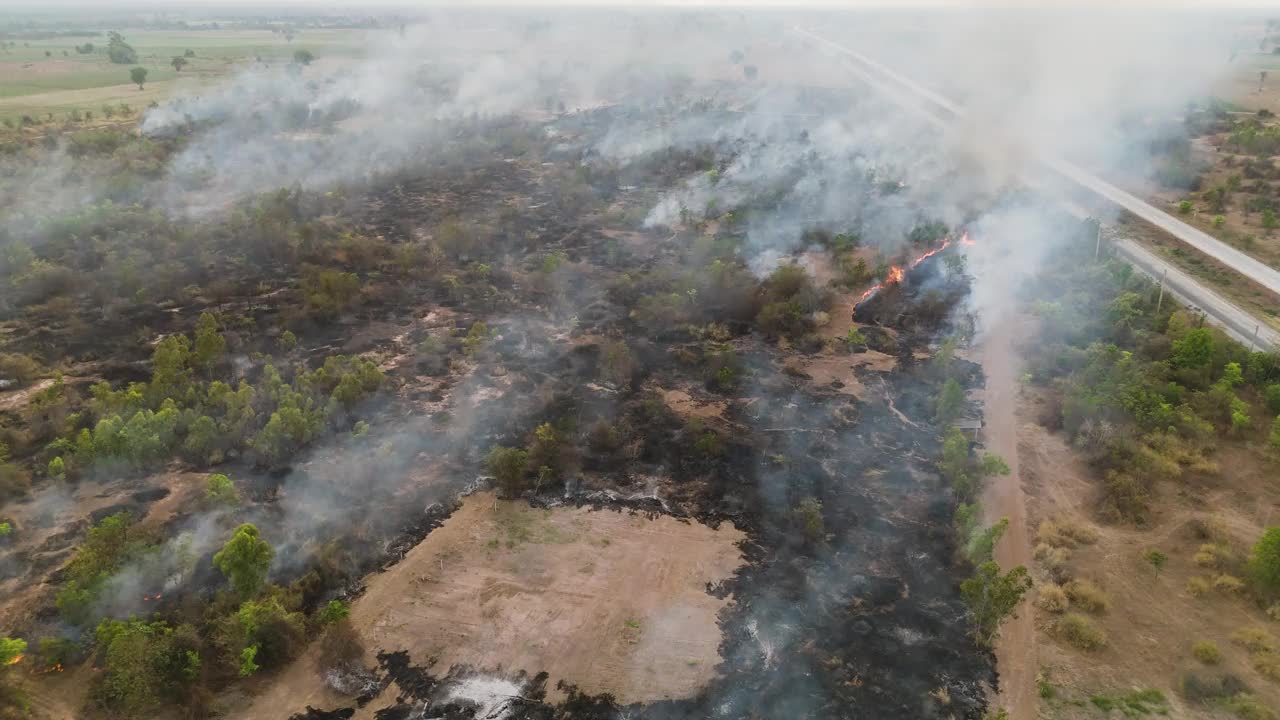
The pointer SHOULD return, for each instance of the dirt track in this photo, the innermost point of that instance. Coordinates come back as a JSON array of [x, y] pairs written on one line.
[[1004, 497]]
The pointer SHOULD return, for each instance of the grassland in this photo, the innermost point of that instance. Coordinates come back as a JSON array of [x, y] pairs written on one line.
[[46, 76]]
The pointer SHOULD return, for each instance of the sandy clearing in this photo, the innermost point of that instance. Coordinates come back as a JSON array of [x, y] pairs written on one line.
[[609, 601]]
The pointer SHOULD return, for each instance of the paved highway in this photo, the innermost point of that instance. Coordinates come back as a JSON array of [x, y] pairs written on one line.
[[1236, 321]]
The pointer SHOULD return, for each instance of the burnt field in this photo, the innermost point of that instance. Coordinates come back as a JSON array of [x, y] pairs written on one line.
[[860, 619], [531, 427]]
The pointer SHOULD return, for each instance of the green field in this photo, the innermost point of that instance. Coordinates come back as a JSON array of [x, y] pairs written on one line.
[[33, 83]]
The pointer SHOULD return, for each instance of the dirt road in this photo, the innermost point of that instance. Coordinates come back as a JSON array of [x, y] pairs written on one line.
[[1004, 497]]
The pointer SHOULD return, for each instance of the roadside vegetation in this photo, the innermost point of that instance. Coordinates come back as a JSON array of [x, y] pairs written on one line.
[[1150, 396]]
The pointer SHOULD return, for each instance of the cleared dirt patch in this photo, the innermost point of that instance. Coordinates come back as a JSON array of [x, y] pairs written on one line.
[[609, 601]]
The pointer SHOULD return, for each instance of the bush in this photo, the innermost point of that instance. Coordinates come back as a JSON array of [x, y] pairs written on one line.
[[507, 465], [1207, 652], [1156, 558], [261, 634], [1080, 632], [1052, 599], [1247, 707], [1264, 562], [1198, 586], [220, 492], [1228, 583], [1203, 688], [21, 369], [1087, 596], [1254, 639]]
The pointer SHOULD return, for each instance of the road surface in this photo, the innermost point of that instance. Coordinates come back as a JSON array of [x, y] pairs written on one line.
[[1237, 322]]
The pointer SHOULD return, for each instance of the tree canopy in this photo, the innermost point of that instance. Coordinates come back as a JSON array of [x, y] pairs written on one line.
[[245, 560]]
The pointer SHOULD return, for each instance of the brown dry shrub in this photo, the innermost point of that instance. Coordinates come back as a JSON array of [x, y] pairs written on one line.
[[1087, 596], [1065, 533], [1228, 584], [340, 646], [1198, 586], [1254, 639], [1080, 632], [1207, 652], [1052, 599]]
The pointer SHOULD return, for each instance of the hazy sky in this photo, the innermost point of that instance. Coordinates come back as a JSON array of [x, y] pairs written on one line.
[[373, 5]]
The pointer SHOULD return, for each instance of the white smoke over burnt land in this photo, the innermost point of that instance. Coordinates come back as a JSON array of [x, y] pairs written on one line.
[[582, 207]]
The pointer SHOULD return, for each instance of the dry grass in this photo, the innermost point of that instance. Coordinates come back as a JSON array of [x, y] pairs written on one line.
[[1065, 533], [1198, 586], [1228, 584], [1080, 632], [1087, 596], [1207, 652], [1254, 639], [1052, 599]]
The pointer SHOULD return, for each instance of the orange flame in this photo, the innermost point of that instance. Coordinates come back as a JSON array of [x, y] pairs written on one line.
[[16, 659], [897, 274]]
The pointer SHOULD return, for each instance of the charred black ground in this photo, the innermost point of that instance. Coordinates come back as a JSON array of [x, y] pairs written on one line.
[[814, 630]]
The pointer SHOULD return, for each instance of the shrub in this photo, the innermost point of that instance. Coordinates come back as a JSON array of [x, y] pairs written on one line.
[[1080, 632], [1156, 558], [1207, 652], [21, 369], [1228, 583], [1198, 586], [261, 634], [1264, 561], [220, 491], [1065, 533], [245, 559], [1254, 639], [1247, 707], [1185, 207], [1204, 688], [1087, 596], [809, 518], [1052, 598], [1133, 704], [507, 465]]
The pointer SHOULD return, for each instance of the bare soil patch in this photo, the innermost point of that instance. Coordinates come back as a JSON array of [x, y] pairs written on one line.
[[608, 601]]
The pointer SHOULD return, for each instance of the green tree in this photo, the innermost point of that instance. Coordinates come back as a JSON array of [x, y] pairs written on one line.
[[1269, 220], [210, 343], [139, 76], [245, 560], [981, 546], [57, 468], [1264, 562], [144, 664], [993, 597], [950, 402], [119, 51], [11, 648], [178, 62], [334, 612], [303, 57], [220, 491], [507, 465], [1194, 352]]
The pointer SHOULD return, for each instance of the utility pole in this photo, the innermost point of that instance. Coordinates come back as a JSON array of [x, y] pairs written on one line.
[[1253, 346], [1160, 300], [1097, 246]]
